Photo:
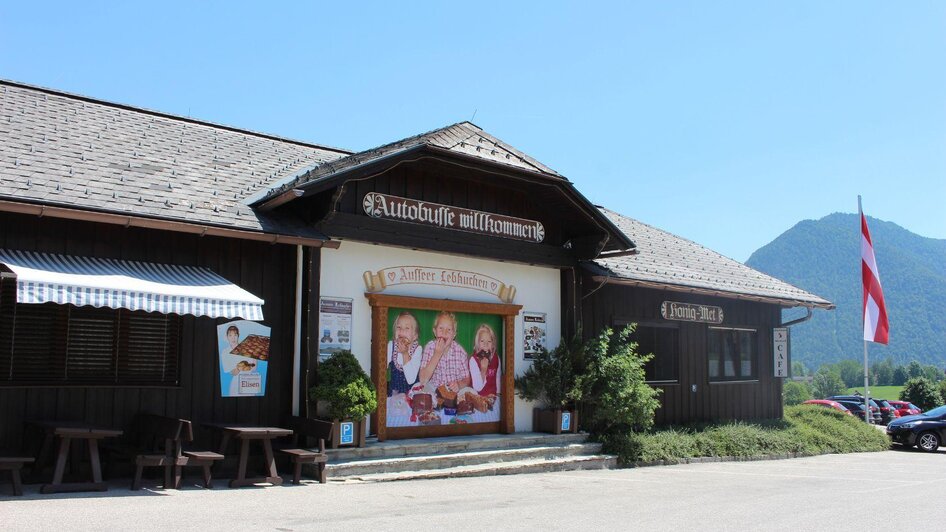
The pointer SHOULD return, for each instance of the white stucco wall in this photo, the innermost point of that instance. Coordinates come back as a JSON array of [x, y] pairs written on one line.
[[538, 289]]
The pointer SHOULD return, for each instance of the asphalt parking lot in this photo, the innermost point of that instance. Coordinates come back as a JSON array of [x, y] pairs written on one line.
[[832, 492]]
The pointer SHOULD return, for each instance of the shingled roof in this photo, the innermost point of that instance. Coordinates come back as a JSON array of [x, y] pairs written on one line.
[[464, 138], [670, 262], [71, 151]]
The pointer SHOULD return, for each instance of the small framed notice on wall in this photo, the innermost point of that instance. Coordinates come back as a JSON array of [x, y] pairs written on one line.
[[533, 333], [335, 325]]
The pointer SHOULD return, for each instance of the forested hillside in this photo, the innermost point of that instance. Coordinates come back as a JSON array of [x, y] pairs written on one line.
[[823, 257]]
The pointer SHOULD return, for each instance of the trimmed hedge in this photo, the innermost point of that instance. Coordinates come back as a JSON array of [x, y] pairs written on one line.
[[805, 430]]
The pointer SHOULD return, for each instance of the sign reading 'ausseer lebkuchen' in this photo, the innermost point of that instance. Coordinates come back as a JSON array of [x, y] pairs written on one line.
[[424, 212], [672, 310]]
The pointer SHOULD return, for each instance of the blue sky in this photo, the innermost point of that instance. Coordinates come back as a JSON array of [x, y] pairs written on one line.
[[723, 122]]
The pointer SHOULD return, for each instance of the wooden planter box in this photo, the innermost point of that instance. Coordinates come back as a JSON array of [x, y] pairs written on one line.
[[354, 432], [554, 420]]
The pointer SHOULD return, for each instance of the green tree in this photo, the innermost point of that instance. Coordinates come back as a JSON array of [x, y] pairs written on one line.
[[882, 373], [941, 388], [933, 373], [900, 376], [612, 382], [826, 383], [799, 369], [851, 372], [921, 392], [794, 392], [914, 370]]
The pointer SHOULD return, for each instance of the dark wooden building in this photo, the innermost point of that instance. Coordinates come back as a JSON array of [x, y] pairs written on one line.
[[453, 228], [85, 180], [717, 366]]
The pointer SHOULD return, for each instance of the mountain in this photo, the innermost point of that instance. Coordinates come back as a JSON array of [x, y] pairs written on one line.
[[823, 257]]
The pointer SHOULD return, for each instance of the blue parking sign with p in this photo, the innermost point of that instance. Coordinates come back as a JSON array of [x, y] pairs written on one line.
[[347, 435], [566, 421]]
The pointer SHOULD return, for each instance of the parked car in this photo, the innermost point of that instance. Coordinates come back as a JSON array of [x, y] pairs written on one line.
[[888, 412], [906, 408], [927, 430], [874, 407], [856, 409], [827, 403]]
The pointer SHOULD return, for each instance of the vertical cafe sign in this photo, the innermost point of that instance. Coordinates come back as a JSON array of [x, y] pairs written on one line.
[[244, 358], [448, 217]]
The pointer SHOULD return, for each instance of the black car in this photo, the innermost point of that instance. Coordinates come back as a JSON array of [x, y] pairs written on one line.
[[856, 408], [888, 412], [927, 430], [874, 407]]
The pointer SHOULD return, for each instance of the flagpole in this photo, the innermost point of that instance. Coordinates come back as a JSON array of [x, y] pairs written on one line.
[[867, 413]]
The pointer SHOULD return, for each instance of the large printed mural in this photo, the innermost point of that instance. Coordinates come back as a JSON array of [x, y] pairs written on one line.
[[443, 368]]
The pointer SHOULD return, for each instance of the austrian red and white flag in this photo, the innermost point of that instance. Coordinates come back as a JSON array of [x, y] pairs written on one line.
[[876, 328]]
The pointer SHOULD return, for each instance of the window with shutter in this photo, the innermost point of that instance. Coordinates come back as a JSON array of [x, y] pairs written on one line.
[[90, 345], [150, 343], [65, 345]]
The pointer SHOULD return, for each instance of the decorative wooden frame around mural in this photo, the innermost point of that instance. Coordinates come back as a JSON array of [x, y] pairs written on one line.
[[380, 304]]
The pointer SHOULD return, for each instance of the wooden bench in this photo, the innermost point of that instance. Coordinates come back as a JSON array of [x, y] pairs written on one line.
[[299, 454], [13, 464], [158, 441], [204, 460]]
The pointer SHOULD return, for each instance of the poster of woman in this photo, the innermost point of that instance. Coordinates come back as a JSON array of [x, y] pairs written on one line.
[[443, 368], [243, 348]]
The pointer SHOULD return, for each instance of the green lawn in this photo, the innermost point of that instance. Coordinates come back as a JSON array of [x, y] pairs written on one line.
[[884, 392]]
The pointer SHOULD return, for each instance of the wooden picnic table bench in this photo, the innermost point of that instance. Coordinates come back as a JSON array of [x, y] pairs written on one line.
[[158, 441], [246, 434], [300, 453], [65, 432], [13, 464]]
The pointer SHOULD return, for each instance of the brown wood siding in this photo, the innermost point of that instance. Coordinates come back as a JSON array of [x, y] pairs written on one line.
[[761, 399], [456, 185], [267, 271]]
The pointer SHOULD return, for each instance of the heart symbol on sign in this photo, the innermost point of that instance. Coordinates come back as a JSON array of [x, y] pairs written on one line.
[[391, 276], [492, 286]]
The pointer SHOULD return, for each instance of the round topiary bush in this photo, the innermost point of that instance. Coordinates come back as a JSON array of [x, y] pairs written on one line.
[[346, 387], [921, 392]]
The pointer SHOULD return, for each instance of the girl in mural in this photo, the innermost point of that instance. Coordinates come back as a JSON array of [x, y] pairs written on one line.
[[404, 354], [445, 362], [484, 364]]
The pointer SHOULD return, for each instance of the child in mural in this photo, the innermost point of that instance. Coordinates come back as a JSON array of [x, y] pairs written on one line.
[[404, 354], [484, 364], [444, 361]]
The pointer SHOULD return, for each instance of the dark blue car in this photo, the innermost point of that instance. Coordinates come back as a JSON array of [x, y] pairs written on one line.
[[927, 430]]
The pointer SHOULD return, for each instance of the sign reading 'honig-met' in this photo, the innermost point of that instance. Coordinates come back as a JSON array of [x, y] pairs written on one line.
[[672, 310], [438, 215]]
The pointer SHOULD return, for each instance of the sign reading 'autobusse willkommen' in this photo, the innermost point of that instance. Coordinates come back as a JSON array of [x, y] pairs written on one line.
[[423, 212], [671, 310]]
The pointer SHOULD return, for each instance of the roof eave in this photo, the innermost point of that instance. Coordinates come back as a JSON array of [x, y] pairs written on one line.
[[164, 224], [782, 302]]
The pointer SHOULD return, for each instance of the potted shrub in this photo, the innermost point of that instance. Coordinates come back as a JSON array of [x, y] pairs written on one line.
[[349, 395], [551, 381]]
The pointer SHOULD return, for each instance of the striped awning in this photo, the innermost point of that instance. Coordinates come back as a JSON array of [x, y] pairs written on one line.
[[80, 281]]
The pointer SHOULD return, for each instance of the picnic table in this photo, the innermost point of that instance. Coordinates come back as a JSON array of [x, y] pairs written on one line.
[[64, 432], [246, 434]]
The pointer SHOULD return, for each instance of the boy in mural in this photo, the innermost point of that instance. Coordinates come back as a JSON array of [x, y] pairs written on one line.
[[444, 361], [404, 354], [484, 364]]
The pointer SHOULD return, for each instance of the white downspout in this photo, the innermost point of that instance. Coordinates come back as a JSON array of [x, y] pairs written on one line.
[[297, 335]]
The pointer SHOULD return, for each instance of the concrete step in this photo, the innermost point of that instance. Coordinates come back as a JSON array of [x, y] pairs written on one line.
[[534, 465], [367, 466], [451, 444]]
